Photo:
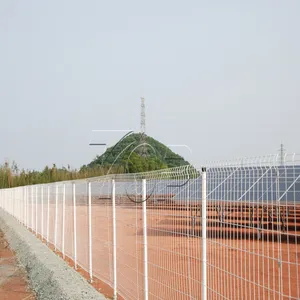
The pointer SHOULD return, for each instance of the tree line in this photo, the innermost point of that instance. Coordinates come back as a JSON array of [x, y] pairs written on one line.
[[11, 176]]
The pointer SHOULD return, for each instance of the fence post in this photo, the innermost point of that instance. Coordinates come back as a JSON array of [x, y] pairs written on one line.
[[204, 220], [75, 236], [55, 224], [13, 203], [27, 207], [36, 214], [16, 204], [22, 212], [114, 237], [32, 208], [90, 232], [144, 207], [42, 222], [63, 221], [24, 206], [48, 213], [20, 204]]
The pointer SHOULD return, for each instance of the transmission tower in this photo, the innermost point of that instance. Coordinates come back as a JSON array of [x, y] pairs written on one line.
[[143, 116], [282, 154], [143, 127]]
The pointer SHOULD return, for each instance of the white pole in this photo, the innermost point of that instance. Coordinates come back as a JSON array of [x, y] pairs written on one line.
[[144, 207], [16, 196], [75, 237], [42, 200], [20, 205], [32, 208], [63, 221], [27, 207], [204, 220], [21, 211], [17, 203], [48, 213], [114, 237], [55, 224], [36, 214], [13, 203], [24, 205], [15, 192], [90, 232]]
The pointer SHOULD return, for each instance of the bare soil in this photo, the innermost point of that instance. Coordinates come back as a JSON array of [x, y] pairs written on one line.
[[13, 278]]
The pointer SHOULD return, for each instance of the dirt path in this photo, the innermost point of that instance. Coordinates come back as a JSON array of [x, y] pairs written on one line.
[[13, 278]]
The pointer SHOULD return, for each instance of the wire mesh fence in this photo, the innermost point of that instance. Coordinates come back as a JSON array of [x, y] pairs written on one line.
[[228, 231]]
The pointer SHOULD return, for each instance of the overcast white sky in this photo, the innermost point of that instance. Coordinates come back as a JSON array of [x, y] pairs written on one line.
[[219, 76]]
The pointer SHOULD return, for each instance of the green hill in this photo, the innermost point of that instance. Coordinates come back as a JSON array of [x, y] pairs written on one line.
[[128, 155]]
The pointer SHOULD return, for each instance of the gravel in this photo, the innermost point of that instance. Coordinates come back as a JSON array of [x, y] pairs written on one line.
[[50, 277]]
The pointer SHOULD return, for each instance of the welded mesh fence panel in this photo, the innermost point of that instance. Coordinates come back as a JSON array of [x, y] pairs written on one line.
[[82, 224], [174, 244], [69, 222], [129, 247], [253, 228], [102, 242]]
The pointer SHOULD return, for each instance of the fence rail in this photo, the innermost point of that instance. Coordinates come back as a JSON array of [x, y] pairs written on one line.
[[228, 231]]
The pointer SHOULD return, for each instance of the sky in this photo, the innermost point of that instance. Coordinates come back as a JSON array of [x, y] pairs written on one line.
[[221, 77]]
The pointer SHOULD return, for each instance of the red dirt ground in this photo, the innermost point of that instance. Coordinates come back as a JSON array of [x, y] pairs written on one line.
[[13, 278]]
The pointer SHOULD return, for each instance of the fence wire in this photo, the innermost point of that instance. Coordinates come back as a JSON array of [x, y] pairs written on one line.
[[228, 231]]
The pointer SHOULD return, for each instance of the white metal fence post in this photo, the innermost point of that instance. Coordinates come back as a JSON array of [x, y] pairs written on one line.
[[114, 237], [42, 217], [27, 207], [63, 221], [36, 214], [24, 206], [204, 221], [20, 212], [48, 213], [20, 204], [75, 235], [15, 196], [13, 203], [32, 208], [55, 222], [90, 232], [144, 207]]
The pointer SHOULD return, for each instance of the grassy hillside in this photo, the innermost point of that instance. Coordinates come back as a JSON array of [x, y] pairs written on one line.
[[125, 156], [130, 156]]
